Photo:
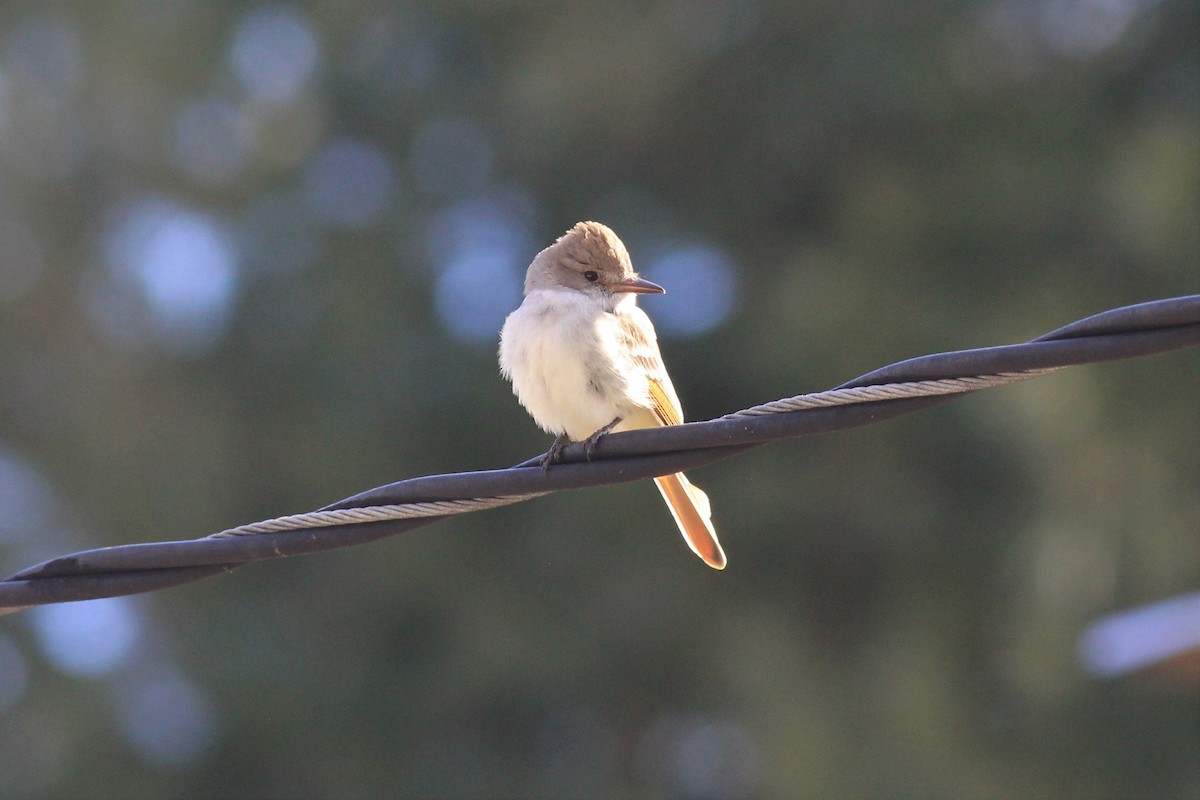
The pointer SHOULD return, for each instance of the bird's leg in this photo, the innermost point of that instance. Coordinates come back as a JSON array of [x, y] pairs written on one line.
[[556, 447], [589, 444]]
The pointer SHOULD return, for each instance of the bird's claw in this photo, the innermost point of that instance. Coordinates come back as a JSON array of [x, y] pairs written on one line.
[[555, 451], [589, 444]]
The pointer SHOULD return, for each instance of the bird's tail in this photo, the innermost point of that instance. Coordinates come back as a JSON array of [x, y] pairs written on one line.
[[689, 506]]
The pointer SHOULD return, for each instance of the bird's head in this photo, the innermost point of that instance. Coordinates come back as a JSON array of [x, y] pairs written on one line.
[[588, 258]]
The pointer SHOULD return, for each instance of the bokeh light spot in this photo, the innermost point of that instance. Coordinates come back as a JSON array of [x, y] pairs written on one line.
[[167, 720], [1134, 639], [500, 223], [701, 289], [349, 183], [274, 53], [480, 249], [27, 502], [43, 54], [700, 757], [89, 639], [172, 276], [476, 293]]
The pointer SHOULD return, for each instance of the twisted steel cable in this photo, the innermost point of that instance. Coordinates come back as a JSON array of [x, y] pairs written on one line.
[[907, 386]]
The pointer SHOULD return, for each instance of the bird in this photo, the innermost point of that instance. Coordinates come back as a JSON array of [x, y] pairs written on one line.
[[583, 360]]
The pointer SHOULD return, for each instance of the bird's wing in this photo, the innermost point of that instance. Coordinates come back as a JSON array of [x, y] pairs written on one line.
[[641, 344], [665, 404]]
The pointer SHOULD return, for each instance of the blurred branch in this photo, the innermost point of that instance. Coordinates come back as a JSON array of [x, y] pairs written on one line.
[[1128, 332]]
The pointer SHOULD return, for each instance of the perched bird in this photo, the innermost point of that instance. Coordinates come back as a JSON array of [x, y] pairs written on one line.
[[583, 360]]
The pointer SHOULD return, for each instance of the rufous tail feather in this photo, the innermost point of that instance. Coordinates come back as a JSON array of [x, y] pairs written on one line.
[[689, 506]]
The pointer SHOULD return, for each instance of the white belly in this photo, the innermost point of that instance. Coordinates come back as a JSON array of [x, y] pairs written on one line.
[[560, 353]]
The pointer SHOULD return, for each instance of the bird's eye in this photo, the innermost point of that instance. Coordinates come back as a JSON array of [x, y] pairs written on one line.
[[591, 276]]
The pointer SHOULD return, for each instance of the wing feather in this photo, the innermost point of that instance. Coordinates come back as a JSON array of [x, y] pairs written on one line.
[[665, 405]]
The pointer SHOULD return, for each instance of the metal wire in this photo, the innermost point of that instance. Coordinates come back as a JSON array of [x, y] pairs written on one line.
[[887, 391], [1144, 329], [353, 516]]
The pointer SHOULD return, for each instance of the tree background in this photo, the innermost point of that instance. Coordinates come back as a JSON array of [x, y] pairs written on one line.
[[253, 259]]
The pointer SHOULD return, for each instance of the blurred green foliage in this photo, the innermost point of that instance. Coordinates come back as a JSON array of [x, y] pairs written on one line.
[[900, 613]]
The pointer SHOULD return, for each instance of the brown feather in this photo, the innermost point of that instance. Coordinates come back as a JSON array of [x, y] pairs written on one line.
[[689, 505], [666, 407], [695, 526]]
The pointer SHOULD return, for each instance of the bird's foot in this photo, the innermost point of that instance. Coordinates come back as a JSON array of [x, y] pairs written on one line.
[[555, 451], [589, 444]]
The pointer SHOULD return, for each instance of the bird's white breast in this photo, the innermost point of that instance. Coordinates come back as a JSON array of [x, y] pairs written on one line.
[[562, 351]]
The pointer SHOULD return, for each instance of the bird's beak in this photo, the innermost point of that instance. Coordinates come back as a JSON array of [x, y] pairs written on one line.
[[639, 286]]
